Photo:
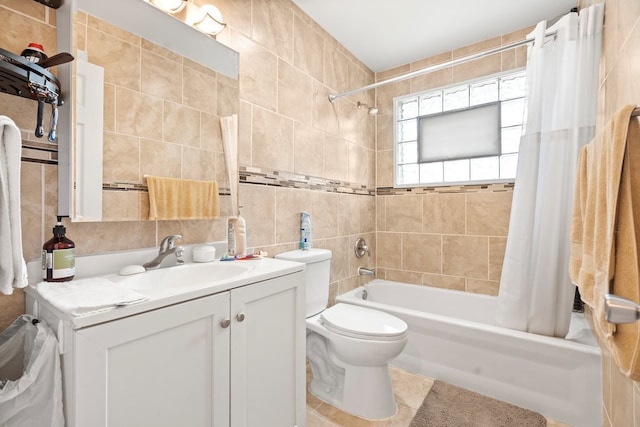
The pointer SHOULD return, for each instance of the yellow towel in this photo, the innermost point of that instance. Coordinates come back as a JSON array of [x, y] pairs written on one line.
[[171, 198], [606, 218]]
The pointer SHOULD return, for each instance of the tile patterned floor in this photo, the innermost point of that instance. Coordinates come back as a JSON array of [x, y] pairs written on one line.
[[410, 391]]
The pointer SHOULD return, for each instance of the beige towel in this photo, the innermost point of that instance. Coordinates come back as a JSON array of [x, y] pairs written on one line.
[[172, 198], [606, 220]]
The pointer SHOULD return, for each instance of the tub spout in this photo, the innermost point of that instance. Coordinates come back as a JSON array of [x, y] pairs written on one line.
[[366, 271]]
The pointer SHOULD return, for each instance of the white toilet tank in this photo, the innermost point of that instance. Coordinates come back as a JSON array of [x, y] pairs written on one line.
[[316, 276]]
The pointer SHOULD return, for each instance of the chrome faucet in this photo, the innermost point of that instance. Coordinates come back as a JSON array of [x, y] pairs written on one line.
[[167, 247]]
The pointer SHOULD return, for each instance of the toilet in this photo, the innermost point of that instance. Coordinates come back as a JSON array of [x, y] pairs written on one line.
[[348, 347]]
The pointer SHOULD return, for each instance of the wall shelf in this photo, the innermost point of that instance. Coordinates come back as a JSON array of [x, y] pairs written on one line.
[[28, 80]]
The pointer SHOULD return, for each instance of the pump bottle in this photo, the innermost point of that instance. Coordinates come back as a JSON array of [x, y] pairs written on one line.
[[58, 256]]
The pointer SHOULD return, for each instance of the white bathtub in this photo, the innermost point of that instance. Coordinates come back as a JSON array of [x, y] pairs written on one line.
[[452, 338]]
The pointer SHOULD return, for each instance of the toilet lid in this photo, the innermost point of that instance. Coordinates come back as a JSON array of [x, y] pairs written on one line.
[[362, 322]]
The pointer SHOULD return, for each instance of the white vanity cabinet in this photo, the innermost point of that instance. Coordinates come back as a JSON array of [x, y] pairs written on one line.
[[234, 358]]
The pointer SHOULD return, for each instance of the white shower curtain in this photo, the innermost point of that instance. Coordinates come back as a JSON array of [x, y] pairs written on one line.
[[536, 294]]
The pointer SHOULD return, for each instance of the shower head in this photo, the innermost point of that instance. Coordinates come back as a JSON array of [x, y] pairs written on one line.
[[371, 110]]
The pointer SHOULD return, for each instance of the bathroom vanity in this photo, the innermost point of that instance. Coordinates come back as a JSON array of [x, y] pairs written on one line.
[[222, 352]]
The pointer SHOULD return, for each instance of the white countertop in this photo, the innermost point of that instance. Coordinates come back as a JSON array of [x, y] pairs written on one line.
[[262, 269]]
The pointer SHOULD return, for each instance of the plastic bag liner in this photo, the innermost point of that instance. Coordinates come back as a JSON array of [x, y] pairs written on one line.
[[30, 377]]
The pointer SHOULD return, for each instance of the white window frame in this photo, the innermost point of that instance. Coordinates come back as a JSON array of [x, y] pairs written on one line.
[[398, 101]]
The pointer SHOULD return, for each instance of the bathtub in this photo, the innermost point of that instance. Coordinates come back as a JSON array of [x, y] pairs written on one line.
[[452, 338]]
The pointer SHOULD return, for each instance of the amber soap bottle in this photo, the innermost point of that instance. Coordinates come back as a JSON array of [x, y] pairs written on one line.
[[58, 256]]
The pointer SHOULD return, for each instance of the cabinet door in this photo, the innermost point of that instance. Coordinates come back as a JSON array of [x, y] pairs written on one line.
[[168, 367], [268, 353]]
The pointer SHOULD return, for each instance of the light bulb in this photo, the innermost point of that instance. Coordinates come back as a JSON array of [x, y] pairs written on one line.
[[170, 6], [208, 19]]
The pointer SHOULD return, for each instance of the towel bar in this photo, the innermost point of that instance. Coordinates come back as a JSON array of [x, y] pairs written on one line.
[[620, 310]]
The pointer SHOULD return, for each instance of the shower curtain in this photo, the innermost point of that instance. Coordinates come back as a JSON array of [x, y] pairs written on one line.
[[536, 294]]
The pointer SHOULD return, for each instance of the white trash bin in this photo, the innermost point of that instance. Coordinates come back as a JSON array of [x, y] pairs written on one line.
[[30, 377]]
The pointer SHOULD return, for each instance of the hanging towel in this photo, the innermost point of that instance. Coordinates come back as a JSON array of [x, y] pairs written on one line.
[[604, 231], [172, 198], [13, 270], [87, 296]]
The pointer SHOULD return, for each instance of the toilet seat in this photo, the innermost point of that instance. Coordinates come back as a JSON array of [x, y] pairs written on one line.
[[363, 323]]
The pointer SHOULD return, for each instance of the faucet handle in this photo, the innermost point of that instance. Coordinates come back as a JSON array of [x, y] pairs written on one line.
[[168, 242]]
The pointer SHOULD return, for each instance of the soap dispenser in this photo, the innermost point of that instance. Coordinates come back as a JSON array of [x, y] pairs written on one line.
[[58, 256]]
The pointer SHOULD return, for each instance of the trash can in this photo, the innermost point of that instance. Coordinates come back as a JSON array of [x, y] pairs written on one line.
[[30, 376]]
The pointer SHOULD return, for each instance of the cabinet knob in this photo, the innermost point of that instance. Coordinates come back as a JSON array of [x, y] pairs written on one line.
[[225, 323], [240, 317]]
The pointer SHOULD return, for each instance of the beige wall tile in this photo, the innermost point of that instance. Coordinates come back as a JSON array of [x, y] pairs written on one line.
[[295, 93], [11, 306], [384, 132], [336, 69], [138, 114], [465, 256], [227, 101], [324, 214], [259, 212], [445, 282], [308, 49], [181, 124], [121, 157], [258, 72], [31, 191], [422, 252], [361, 165], [367, 211], [336, 158], [497, 247], [384, 168], [444, 213], [325, 115], [403, 276], [199, 90], [488, 213], [404, 213], [389, 250], [210, 133], [289, 204], [198, 164], [161, 76], [486, 287], [160, 159], [272, 140], [98, 237], [381, 213], [120, 205], [308, 150], [348, 215], [120, 59], [273, 26]]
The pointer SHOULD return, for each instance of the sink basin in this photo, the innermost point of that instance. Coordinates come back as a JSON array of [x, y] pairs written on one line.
[[186, 275]]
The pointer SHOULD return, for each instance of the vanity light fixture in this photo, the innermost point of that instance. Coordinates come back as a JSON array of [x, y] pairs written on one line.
[[206, 18], [169, 6]]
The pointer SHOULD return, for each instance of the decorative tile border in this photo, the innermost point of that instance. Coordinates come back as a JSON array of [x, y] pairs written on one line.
[[263, 176], [270, 177], [474, 188]]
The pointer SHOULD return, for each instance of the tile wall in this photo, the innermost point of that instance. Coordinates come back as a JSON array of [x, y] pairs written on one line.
[[450, 237], [288, 66], [619, 86]]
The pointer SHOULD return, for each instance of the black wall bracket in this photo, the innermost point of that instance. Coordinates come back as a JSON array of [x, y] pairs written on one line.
[[51, 3]]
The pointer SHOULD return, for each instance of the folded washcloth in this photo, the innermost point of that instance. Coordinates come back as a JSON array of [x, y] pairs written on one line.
[[87, 296], [172, 198]]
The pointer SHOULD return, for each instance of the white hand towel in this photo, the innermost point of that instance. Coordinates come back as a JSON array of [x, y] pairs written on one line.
[[87, 296], [13, 270]]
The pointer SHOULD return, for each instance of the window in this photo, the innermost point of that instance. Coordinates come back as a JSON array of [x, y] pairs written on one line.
[[464, 134]]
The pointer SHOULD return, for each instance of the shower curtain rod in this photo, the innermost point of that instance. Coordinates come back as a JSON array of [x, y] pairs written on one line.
[[333, 97]]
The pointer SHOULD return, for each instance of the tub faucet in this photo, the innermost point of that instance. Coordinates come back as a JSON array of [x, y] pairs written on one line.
[[167, 247], [366, 271]]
